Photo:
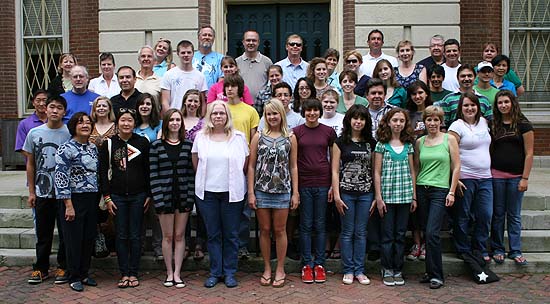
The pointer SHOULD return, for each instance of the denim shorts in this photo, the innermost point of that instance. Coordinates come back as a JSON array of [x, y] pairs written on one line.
[[272, 200]]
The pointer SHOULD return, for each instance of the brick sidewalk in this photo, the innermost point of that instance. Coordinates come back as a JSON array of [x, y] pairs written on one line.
[[511, 289]]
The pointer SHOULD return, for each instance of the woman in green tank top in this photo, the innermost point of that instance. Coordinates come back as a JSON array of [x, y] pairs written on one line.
[[437, 162]]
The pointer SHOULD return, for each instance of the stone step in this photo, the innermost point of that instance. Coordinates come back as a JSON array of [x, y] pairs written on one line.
[[16, 218], [24, 238], [536, 220], [538, 263]]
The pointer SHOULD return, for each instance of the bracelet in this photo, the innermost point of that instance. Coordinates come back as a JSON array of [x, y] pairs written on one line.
[[451, 194], [525, 178], [107, 199]]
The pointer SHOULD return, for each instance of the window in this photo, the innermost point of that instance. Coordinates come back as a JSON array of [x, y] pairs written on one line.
[[527, 26], [43, 24]]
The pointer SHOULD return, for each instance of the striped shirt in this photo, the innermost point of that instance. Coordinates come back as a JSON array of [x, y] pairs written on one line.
[[449, 104]]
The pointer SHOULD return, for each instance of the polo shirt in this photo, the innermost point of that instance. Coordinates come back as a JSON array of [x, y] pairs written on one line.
[[99, 86], [449, 104], [23, 129], [291, 72], [254, 71]]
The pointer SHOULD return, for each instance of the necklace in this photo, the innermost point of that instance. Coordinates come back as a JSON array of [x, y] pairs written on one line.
[[173, 142]]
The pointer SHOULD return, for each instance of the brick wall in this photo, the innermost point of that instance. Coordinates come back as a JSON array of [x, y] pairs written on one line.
[[349, 26], [480, 22], [204, 12], [542, 141], [8, 72], [84, 33]]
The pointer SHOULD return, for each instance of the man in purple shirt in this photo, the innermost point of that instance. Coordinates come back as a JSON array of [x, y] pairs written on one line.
[[36, 119]]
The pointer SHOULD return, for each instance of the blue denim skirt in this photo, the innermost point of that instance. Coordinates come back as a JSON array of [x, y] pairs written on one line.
[[272, 200]]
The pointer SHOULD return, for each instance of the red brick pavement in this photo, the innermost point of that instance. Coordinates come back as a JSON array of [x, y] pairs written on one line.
[[511, 289]]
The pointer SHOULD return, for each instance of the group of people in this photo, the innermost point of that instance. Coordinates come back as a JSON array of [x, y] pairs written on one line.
[[369, 151]]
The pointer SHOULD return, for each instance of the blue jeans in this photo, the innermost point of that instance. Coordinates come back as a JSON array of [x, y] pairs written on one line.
[[244, 225], [507, 201], [433, 199], [222, 220], [128, 221], [394, 228], [353, 238], [477, 202], [313, 206]]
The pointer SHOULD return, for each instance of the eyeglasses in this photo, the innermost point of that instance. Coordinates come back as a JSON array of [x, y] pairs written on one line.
[[165, 40], [218, 114], [295, 44], [352, 61], [126, 110]]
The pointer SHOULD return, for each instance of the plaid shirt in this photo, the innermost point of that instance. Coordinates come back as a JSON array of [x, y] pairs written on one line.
[[396, 180]]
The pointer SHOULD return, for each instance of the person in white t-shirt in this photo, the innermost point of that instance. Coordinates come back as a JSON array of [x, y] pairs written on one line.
[[375, 41], [451, 64], [331, 118], [178, 80]]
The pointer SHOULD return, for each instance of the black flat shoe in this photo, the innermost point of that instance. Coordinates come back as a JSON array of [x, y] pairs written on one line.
[[77, 286], [89, 281]]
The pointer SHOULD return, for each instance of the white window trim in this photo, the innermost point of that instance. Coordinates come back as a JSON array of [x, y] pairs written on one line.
[[20, 51]]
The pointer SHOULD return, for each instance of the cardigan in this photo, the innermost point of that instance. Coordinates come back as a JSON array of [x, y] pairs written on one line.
[[162, 173]]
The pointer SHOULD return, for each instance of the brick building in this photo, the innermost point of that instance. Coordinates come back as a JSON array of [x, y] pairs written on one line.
[[35, 32]]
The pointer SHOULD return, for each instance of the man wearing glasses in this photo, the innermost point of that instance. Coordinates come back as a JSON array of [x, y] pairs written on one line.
[[375, 41], [79, 99], [205, 60], [252, 64], [436, 53], [294, 67]]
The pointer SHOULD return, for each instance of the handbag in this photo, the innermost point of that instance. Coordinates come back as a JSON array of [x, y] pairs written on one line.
[[102, 205], [100, 245]]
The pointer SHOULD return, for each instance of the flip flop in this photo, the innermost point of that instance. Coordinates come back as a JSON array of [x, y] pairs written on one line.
[[123, 283], [520, 260], [487, 259], [279, 283], [134, 283], [498, 258], [265, 281]]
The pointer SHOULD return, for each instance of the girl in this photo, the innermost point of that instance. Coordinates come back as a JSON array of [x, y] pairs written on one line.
[[148, 123], [353, 191], [317, 73], [172, 188], [315, 142], [348, 82], [394, 180], [164, 57], [216, 92], [408, 72], [272, 176], [437, 161], [274, 76], [511, 163], [395, 93], [304, 90]]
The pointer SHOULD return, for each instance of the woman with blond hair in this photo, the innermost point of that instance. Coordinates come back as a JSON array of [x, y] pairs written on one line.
[[62, 82], [408, 71]]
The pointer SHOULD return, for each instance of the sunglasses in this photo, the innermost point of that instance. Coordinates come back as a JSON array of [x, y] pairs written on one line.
[[352, 61], [295, 44], [126, 110], [165, 40]]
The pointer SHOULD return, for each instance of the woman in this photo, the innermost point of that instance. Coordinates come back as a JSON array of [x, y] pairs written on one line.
[[76, 180], [352, 62], [273, 186], [332, 56], [418, 99], [501, 66], [163, 54], [476, 186], [124, 181], [228, 67], [490, 50], [148, 123], [352, 187], [274, 76], [219, 150], [103, 119], [408, 72], [437, 162], [315, 142], [107, 83], [348, 82], [193, 123], [172, 188], [396, 95], [317, 73], [303, 90], [511, 163], [62, 81]]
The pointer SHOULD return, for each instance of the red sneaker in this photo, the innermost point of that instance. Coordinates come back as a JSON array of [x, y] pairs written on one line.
[[320, 275], [307, 274]]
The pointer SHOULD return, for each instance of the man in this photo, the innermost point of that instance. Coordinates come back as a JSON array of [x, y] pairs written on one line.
[[449, 104], [79, 99], [451, 65], [283, 92], [294, 67], [178, 80], [128, 94], [39, 148], [375, 40], [252, 64], [436, 76], [376, 94], [106, 84], [436, 53], [205, 60], [146, 80], [485, 75], [36, 119]]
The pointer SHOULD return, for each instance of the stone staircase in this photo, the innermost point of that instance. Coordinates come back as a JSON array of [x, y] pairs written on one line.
[[17, 240]]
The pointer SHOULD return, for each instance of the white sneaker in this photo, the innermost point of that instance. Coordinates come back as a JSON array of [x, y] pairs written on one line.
[[348, 279], [363, 279]]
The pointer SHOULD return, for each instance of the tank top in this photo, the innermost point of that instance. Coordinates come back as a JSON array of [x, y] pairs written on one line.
[[273, 165], [435, 164]]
